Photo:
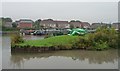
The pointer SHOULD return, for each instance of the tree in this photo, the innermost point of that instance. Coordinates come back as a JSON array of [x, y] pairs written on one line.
[[72, 21], [71, 26], [4, 20], [50, 19], [14, 25], [42, 27], [37, 24], [78, 21], [8, 19]]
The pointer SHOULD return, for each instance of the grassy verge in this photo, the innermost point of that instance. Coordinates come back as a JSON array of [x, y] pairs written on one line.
[[64, 40], [103, 38]]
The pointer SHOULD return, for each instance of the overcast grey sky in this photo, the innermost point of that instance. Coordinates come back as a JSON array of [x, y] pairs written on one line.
[[83, 11]]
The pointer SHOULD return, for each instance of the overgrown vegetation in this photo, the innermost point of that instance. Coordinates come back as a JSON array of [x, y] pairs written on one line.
[[9, 29], [103, 38], [52, 41], [16, 39]]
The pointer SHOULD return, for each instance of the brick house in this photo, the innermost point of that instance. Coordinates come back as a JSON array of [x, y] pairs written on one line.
[[48, 23], [76, 24], [95, 25], [62, 24], [25, 23], [85, 25]]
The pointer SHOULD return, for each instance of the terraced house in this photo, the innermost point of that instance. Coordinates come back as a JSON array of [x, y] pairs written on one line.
[[85, 25], [62, 24], [95, 25], [78, 24], [108, 25], [25, 23], [49, 23]]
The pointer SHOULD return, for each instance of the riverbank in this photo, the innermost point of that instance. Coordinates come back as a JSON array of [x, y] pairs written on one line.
[[91, 41], [64, 42]]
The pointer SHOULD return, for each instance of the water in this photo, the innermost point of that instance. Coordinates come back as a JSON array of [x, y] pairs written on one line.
[[0, 51], [69, 59]]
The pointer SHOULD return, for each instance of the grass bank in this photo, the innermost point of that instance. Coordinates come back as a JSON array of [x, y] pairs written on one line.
[[103, 38], [52, 41], [64, 40]]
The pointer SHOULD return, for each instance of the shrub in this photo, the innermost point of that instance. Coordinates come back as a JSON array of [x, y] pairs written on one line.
[[101, 45], [16, 38], [103, 38], [61, 46], [81, 43]]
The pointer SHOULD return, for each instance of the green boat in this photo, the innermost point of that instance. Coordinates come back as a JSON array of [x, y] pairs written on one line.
[[77, 31]]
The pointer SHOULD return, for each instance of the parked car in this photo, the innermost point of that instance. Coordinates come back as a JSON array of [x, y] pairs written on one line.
[[28, 32], [39, 32]]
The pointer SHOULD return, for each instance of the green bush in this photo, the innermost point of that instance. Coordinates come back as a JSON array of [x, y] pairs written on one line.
[[16, 38], [82, 43], [101, 45], [103, 38], [9, 29], [118, 45]]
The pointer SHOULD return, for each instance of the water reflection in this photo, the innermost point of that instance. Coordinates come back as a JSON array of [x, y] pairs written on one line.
[[93, 57], [70, 59]]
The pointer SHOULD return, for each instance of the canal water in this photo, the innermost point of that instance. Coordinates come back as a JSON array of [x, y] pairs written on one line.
[[69, 59]]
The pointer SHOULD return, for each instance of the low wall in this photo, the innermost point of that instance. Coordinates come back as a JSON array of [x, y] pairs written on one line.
[[31, 49], [37, 49]]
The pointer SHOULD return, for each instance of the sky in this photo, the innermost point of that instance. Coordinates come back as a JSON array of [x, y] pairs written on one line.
[[84, 11], [60, 0]]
